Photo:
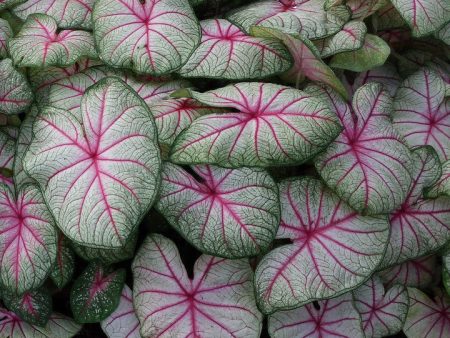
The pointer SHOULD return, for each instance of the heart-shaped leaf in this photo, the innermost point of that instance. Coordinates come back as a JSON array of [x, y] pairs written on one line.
[[95, 293], [386, 74], [329, 318], [333, 248], [15, 93], [122, 323], [427, 318], [383, 312], [422, 112], [373, 53], [307, 18], [38, 44], [416, 272], [350, 38], [419, 226], [423, 16], [225, 212], [368, 165], [62, 271], [34, 307], [246, 57], [27, 239], [152, 36], [275, 124], [67, 13], [218, 302], [58, 326], [307, 60], [108, 177], [442, 186], [5, 33]]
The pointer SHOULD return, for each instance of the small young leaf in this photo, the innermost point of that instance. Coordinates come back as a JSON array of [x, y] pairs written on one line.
[[62, 271], [67, 13], [423, 16], [383, 312], [333, 248], [442, 186], [307, 18], [95, 293], [422, 112], [153, 36], [122, 323], [27, 239], [427, 318], [228, 213], [38, 44], [416, 272], [373, 53], [11, 326], [5, 33], [275, 125], [226, 52], [368, 165], [34, 307], [350, 38], [331, 318], [99, 170], [307, 61], [15, 93], [218, 302]]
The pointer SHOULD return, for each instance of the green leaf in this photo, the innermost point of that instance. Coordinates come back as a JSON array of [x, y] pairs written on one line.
[[34, 307]]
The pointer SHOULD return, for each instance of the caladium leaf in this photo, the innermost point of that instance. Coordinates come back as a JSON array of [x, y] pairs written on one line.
[[368, 165], [109, 174], [9, 3], [225, 212], [444, 34], [246, 57], [446, 270], [38, 44], [373, 53], [442, 186], [307, 60], [427, 318], [15, 93], [123, 322], [58, 326], [34, 307], [5, 33], [388, 18], [350, 38], [329, 318], [96, 293], [7, 148], [423, 16], [62, 271], [416, 272], [275, 124], [419, 226], [386, 74], [422, 112], [364, 8], [325, 233], [108, 256], [383, 312], [305, 17], [217, 302], [152, 37], [172, 116], [27, 239], [67, 13]]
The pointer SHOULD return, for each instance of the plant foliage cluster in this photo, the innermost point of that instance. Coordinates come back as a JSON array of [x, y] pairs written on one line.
[[224, 169]]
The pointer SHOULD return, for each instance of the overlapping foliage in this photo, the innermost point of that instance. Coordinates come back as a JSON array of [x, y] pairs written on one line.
[[175, 168]]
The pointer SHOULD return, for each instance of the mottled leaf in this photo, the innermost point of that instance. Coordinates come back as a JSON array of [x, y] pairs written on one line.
[[217, 302], [63, 268], [152, 37], [15, 93], [368, 165], [96, 293], [224, 212], [34, 307], [275, 125], [333, 248], [383, 312], [39, 44], [98, 169]]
